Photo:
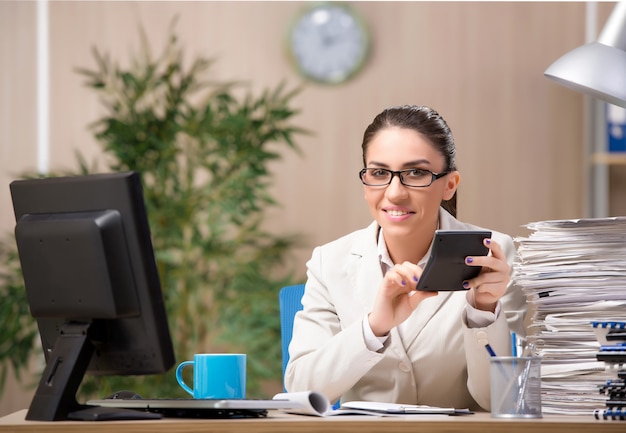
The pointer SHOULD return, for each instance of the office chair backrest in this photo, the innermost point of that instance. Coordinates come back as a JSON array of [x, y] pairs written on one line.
[[289, 300]]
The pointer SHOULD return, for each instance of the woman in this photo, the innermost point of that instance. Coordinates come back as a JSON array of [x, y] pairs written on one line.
[[364, 332]]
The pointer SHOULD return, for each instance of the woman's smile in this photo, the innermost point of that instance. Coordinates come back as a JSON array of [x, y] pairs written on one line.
[[397, 214]]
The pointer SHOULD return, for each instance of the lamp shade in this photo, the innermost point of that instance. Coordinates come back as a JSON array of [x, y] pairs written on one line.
[[597, 68]]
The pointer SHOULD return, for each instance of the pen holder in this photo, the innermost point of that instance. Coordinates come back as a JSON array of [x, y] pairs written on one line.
[[516, 387]]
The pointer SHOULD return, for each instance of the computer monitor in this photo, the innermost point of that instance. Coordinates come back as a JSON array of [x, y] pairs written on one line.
[[92, 284]]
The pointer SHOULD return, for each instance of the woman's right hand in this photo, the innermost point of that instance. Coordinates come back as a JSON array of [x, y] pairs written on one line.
[[396, 298]]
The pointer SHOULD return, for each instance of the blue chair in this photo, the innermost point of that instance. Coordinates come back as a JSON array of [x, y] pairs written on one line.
[[290, 302]]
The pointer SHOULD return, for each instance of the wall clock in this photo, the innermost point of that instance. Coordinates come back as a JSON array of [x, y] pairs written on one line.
[[329, 42]]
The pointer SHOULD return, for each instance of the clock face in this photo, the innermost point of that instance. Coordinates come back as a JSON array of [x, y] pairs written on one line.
[[329, 43]]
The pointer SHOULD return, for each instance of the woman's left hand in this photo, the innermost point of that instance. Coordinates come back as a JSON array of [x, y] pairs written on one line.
[[490, 285]]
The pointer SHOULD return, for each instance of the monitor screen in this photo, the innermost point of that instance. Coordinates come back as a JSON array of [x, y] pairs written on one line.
[[91, 281]]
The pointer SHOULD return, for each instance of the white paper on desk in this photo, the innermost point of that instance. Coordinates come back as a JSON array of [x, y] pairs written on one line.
[[404, 409], [311, 402], [316, 404]]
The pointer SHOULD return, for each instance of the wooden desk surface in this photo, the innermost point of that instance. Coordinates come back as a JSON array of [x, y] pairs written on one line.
[[278, 422]]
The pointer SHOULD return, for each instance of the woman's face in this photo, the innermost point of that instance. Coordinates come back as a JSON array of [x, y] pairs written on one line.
[[401, 210]]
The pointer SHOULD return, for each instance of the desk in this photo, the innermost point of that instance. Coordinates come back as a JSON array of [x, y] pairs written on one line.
[[278, 422]]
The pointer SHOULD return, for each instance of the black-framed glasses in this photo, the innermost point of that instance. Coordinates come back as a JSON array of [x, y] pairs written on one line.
[[413, 177]]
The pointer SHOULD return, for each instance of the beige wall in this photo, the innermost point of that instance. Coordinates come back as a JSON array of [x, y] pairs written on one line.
[[519, 135]]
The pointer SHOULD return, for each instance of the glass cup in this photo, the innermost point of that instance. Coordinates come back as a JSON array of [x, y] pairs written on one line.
[[515, 387]]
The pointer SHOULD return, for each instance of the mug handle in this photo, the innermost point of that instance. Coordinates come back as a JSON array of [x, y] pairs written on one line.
[[179, 376]]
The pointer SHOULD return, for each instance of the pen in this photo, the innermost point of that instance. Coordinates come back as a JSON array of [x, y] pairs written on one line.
[[492, 353], [528, 351], [513, 344], [490, 350]]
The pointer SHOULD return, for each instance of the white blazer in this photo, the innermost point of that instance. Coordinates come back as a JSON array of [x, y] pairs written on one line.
[[439, 361]]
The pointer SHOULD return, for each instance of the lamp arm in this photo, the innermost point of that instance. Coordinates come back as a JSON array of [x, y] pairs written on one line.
[[613, 33]]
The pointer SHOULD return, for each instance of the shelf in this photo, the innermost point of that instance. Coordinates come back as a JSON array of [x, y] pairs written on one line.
[[609, 158]]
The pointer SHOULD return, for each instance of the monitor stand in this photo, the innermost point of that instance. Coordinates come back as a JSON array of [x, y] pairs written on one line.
[[55, 398]]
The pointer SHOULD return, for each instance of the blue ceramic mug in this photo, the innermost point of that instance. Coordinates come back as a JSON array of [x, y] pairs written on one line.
[[215, 375]]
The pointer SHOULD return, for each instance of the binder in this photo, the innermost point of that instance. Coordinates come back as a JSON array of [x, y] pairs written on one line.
[[612, 336], [608, 414]]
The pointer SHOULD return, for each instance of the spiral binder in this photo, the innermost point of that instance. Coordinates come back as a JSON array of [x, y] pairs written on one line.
[[612, 337], [617, 413]]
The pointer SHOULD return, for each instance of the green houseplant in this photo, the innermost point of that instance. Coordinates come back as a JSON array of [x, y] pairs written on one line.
[[17, 329], [202, 148]]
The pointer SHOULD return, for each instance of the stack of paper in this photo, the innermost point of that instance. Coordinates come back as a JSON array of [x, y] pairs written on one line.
[[573, 272]]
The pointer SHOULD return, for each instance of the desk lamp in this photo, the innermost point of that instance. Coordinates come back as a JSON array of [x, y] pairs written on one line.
[[597, 68]]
